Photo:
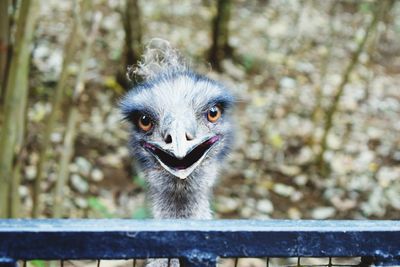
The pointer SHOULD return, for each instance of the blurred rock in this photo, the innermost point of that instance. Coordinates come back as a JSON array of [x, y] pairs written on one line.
[[283, 190], [73, 168], [23, 191], [112, 160], [301, 179], [30, 172], [39, 111], [79, 184], [56, 137], [290, 170], [321, 213], [48, 60], [123, 151], [396, 155], [249, 173], [255, 151], [341, 164], [343, 204], [97, 175], [81, 202], [84, 166], [226, 204], [294, 213], [334, 141], [265, 206], [393, 195], [305, 156], [306, 67], [287, 82], [375, 133], [376, 204], [364, 159], [296, 196], [261, 191], [386, 175], [246, 212]]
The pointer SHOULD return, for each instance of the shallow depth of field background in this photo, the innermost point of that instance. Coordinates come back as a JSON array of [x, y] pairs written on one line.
[[300, 69]]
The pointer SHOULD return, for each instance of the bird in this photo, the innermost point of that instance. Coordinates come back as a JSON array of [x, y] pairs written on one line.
[[182, 130]]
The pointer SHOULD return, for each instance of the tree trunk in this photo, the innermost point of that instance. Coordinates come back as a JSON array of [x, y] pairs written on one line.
[[69, 138], [70, 47], [220, 48], [133, 40], [317, 114], [4, 43], [20, 150], [11, 136], [330, 113]]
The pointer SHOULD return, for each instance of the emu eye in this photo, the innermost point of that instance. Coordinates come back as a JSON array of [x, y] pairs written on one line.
[[214, 114], [145, 123]]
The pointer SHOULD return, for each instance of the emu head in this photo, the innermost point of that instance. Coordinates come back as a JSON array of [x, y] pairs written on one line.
[[180, 120]]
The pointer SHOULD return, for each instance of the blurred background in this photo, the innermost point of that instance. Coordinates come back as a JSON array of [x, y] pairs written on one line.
[[318, 116]]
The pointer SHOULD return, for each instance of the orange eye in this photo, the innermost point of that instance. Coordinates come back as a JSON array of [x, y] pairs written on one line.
[[145, 123], [214, 114]]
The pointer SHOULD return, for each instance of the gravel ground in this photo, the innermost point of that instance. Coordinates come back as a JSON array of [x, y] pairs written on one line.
[[289, 61]]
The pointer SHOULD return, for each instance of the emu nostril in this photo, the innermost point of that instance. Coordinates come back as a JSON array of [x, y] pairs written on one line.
[[168, 139], [189, 136]]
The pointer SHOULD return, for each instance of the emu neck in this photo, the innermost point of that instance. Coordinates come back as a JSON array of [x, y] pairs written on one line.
[[174, 198]]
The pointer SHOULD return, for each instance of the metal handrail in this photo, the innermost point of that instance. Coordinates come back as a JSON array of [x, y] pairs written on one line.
[[197, 243]]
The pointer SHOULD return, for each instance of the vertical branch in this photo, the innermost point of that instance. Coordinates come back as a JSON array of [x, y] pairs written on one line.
[[4, 43], [317, 112], [131, 18], [375, 37], [11, 136], [15, 200], [220, 48], [68, 145], [291, 43], [69, 50], [133, 31], [330, 113], [14, 204]]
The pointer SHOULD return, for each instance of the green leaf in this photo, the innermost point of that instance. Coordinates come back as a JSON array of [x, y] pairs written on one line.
[[276, 140], [213, 206], [111, 82], [365, 7], [248, 62], [139, 181], [37, 263], [141, 213], [96, 205]]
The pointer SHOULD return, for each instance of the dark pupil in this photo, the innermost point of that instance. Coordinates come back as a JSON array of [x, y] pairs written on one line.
[[145, 120], [213, 112]]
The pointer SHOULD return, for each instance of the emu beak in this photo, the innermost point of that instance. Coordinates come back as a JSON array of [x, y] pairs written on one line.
[[182, 160]]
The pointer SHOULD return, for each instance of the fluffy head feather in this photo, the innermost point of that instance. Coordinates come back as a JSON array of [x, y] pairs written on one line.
[[159, 58]]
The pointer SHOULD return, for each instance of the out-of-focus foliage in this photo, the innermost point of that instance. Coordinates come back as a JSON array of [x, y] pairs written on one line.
[[287, 63]]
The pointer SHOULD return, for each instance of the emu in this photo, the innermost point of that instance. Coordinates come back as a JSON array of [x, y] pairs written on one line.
[[181, 132]]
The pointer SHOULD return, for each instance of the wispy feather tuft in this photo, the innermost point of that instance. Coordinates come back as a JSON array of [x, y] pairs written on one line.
[[158, 58]]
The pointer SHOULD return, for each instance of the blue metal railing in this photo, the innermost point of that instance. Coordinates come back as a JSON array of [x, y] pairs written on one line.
[[198, 243]]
